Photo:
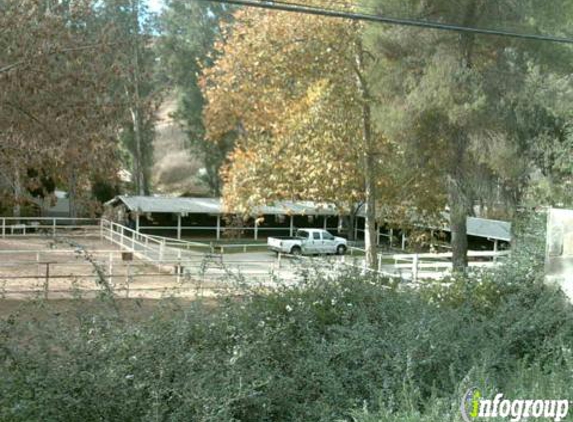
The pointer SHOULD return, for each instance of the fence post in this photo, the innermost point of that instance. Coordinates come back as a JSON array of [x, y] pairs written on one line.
[[178, 268], [47, 281], [161, 250], [101, 229], [111, 268], [128, 278], [121, 236], [3, 228], [415, 268], [54, 227]]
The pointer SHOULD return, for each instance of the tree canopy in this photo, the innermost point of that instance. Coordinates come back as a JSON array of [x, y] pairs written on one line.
[[474, 101], [57, 114]]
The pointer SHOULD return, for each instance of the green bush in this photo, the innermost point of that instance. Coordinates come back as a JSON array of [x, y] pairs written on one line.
[[312, 353]]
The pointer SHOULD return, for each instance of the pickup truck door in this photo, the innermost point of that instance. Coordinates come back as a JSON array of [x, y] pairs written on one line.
[[314, 243], [328, 243]]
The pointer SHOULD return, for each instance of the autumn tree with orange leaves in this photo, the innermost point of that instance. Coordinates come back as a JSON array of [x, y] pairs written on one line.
[[293, 90], [60, 111]]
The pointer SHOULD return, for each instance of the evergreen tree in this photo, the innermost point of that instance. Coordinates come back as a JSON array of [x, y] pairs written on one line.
[[460, 96]]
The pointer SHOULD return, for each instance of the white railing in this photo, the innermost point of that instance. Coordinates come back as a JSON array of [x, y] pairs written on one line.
[[41, 226], [435, 265], [178, 243], [141, 245], [426, 265]]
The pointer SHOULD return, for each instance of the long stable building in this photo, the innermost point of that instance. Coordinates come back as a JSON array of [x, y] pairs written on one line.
[[207, 218]]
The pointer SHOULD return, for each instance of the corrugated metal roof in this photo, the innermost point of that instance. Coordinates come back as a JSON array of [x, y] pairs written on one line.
[[483, 227], [169, 205], [493, 229], [214, 206]]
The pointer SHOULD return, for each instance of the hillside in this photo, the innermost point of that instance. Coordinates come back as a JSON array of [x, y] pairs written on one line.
[[175, 168]]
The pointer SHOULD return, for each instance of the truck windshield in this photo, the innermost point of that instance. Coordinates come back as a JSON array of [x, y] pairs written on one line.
[[301, 233]]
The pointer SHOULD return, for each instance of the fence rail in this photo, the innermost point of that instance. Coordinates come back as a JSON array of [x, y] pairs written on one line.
[[40, 226], [65, 272]]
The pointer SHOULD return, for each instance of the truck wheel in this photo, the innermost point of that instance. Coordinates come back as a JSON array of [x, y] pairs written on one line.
[[341, 250], [296, 250]]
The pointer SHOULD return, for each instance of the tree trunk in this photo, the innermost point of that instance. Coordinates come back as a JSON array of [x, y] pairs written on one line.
[[458, 226], [139, 176], [459, 203], [72, 195], [458, 198], [370, 193], [369, 165], [17, 210]]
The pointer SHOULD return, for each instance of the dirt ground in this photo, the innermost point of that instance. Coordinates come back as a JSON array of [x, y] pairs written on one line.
[[44, 268]]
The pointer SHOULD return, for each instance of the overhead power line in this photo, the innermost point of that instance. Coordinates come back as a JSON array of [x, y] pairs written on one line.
[[319, 11]]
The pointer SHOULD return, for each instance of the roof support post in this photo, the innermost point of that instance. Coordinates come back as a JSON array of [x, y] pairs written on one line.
[[256, 228], [403, 240], [179, 226], [291, 230], [218, 226], [137, 222], [377, 234]]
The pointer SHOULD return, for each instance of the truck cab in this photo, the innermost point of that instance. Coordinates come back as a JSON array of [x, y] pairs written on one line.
[[309, 242]]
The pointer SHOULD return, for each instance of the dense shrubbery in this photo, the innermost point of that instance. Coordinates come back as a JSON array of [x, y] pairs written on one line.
[[326, 351]]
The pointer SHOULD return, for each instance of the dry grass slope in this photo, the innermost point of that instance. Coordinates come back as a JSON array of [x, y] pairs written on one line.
[[175, 168]]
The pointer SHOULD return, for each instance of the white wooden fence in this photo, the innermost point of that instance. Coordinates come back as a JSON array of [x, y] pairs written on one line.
[[419, 266], [41, 226]]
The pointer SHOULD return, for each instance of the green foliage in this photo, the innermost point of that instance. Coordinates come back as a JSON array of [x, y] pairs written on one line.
[[486, 111], [485, 288], [103, 190]]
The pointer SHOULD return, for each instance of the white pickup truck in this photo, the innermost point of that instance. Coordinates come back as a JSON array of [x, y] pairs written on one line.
[[308, 242]]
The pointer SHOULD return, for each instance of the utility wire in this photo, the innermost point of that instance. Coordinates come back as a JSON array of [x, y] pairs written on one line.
[[319, 11]]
